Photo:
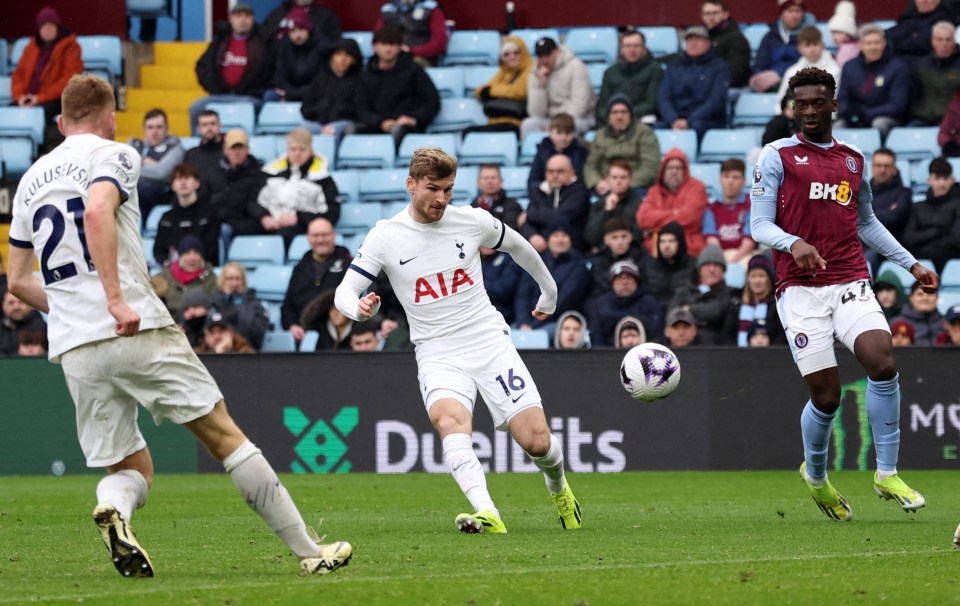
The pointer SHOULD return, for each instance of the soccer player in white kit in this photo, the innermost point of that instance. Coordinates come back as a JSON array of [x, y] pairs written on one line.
[[430, 252], [77, 210]]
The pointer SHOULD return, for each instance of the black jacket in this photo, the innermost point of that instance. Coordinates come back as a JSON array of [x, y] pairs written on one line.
[[330, 97], [236, 189], [892, 203], [260, 62], [199, 219], [326, 23], [404, 90], [206, 158], [311, 279], [503, 207], [246, 315], [296, 66]]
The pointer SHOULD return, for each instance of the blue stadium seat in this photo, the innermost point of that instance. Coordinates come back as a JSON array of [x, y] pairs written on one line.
[[102, 55], [596, 71], [364, 40], [475, 76], [387, 185], [950, 279], [489, 148], [353, 242], [515, 180], [252, 251], [709, 173], [264, 147], [4, 58], [735, 275], [827, 36], [684, 140], [661, 40], [754, 34], [189, 142], [456, 115], [920, 170], [530, 36], [906, 173], [906, 278], [273, 313], [326, 146], [366, 151], [148, 8], [152, 265], [473, 47], [448, 142], [348, 184], [866, 139], [278, 118], [237, 114], [537, 338], [914, 142], [17, 156], [755, 109], [152, 222], [358, 218], [6, 95], [947, 300], [448, 80], [594, 44], [528, 149], [721, 143], [271, 281], [298, 247], [465, 186], [277, 341], [19, 45], [309, 342], [24, 122]]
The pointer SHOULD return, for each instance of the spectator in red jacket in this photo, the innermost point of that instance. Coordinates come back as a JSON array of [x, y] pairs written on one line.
[[676, 196]]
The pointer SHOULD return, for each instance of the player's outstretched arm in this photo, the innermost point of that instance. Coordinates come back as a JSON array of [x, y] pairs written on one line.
[[929, 280], [23, 283], [527, 258], [348, 299], [101, 227]]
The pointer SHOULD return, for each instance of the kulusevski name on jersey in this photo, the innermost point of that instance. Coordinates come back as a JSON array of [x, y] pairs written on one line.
[[67, 170]]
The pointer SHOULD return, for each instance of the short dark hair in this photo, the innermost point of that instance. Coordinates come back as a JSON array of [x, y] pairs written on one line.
[[153, 113], [363, 328], [488, 166], [886, 151], [813, 76], [388, 35], [721, 3], [733, 165], [809, 35], [563, 123], [941, 167], [209, 112], [185, 169], [634, 32]]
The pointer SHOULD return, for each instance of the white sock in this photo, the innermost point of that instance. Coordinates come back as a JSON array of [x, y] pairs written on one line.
[[884, 474], [467, 471], [260, 487], [126, 490], [551, 464]]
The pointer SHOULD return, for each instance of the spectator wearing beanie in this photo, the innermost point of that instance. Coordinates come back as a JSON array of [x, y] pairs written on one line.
[[618, 244], [189, 271], [299, 58], [903, 333], [713, 304], [628, 297], [758, 334], [843, 28], [757, 302]]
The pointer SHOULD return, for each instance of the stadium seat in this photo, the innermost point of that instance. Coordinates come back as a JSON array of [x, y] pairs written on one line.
[[515, 180], [387, 185], [102, 55], [448, 80], [189, 142], [950, 279], [754, 34], [661, 40], [19, 45], [920, 169], [298, 247], [24, 122], [465, 186], [448, 142], [4, 58], [906, 172], [473, 47], [720, 144], [237, 114], [252, 251], [392, 208], [6, 95], [946, 300], [271, 281], [596, 71], [827, 36], [867, 140], [709, 173], [357, 218], [528, 149], [456, 115], [353, 242], [475, 76], [323, 145], [531, 339], [273, 313], [914, 142], [278, 118], [735, 275], [277, 341], [684, 140], [309, 342], [152, 264], [16, 155], [366, 151], [152, 222], [348, 184], [364, 40], [755, 109], [530, 36], [594, 44], [489, 148], [148, 8], [263, 147], [905, 277]]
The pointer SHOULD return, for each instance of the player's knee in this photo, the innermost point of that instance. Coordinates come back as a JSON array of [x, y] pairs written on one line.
[[537, 443], [883, 370]]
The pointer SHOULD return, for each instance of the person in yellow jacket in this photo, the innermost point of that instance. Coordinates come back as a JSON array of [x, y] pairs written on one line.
[[504, 98]]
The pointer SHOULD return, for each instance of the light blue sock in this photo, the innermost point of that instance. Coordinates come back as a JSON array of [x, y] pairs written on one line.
[[816, 426], [883, 410]]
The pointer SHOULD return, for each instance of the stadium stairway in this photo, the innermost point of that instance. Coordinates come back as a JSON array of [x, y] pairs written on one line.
[[169, 83]]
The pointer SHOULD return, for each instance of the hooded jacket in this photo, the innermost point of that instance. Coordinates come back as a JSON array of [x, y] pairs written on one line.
[[329, 98], [623, 323], [665, 276], [638, 145], [509, 82], [639, 81], [685, 206], [870, 90], [245, 313], [584, 342], [889, 277], [406, 89], [64, 62], [568, 89], [256, 77]]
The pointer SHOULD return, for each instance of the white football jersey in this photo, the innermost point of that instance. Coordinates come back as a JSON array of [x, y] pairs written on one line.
[[48, 217], [435, 271]]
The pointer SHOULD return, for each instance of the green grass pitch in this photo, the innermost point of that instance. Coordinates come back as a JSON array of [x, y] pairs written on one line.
[[648, 538]]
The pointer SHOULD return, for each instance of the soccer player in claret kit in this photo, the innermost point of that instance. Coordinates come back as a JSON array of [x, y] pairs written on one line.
[[430, 252], [810, 202], [76, 210]]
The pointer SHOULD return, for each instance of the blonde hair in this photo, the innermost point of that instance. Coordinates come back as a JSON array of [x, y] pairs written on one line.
[[222, 278], [432, 162], [86, 98], [301, 136]]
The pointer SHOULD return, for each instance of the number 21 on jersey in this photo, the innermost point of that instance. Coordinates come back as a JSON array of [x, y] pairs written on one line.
[[58, 224]]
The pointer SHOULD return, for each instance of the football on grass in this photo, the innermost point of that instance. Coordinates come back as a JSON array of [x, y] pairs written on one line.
[[650, 372]]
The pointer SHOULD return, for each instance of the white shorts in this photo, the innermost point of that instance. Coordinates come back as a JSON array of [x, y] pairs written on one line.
[[107, 379], [813, 316], [495, 370]]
